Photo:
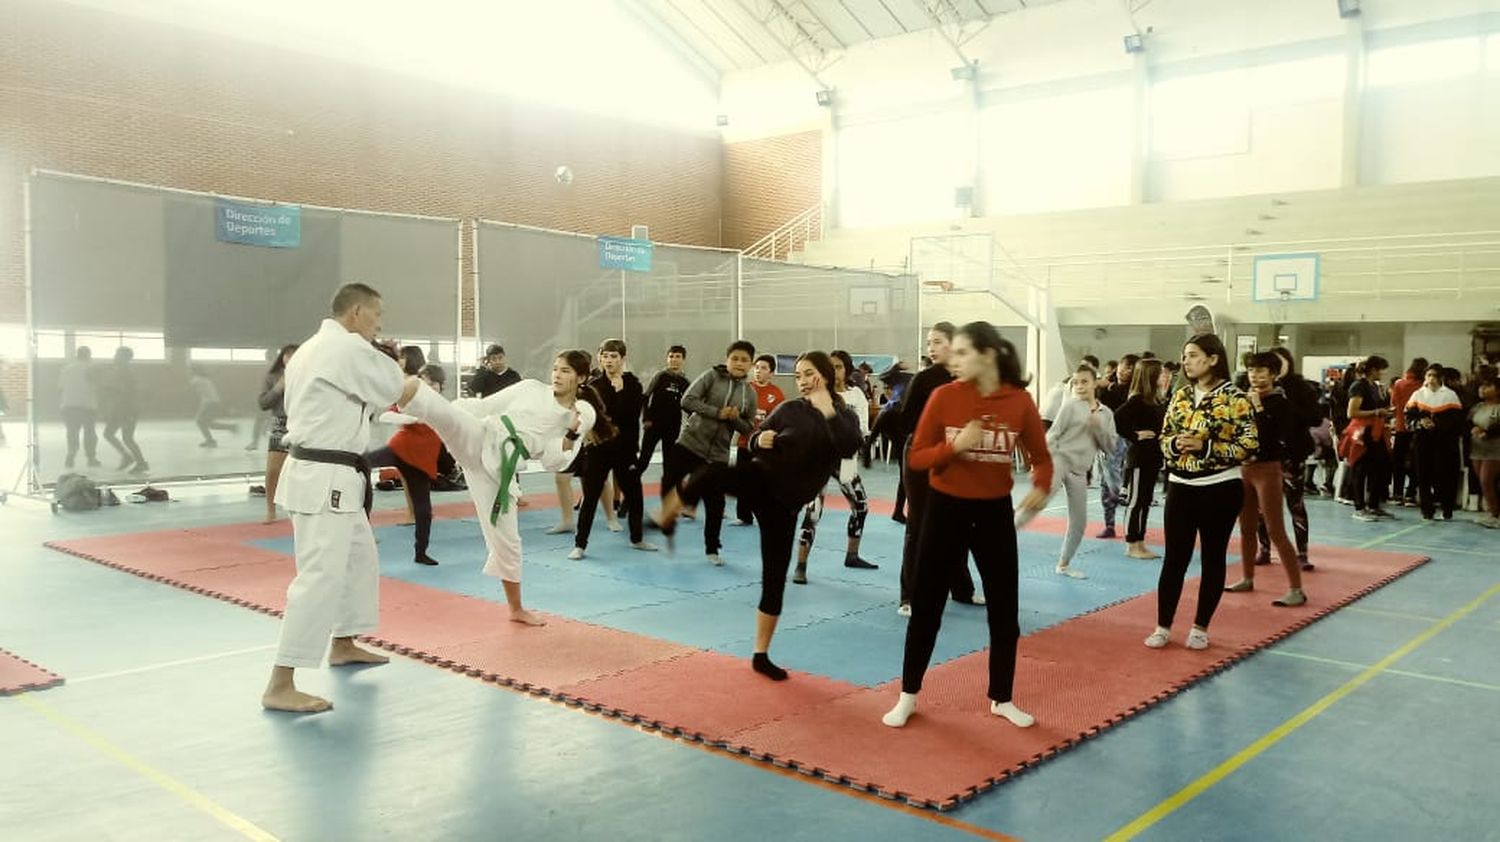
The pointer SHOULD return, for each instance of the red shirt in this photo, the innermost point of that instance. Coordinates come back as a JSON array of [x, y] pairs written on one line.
[[767, 398], [1009, 416], [417, 445], [1401, 392]]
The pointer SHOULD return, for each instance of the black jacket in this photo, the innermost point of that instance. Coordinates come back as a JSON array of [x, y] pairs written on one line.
[[1277, 423], [484, 382], [623, 408], [807, 449], [1134, 416], [915, 398], [664, 400]]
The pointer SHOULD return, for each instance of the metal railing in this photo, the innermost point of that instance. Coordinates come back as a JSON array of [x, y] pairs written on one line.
[[792, 235]]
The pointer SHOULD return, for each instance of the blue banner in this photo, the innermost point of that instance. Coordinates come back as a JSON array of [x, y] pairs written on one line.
[[276, 226], [623, 253]]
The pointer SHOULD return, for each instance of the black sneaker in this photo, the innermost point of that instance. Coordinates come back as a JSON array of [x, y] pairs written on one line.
[[1262, 560], [859, 563]]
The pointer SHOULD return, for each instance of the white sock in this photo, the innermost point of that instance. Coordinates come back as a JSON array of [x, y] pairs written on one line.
[[905, 707], [1017, 717]]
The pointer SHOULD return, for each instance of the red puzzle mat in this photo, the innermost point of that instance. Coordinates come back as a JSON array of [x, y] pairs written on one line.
[[1078, 677], [19, 676]]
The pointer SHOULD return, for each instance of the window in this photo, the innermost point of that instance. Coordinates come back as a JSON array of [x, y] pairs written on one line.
[[227, 355], [51, 345], [1430, 61]]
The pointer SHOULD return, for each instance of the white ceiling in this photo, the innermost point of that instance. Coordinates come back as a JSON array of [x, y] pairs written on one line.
[[735, 35]]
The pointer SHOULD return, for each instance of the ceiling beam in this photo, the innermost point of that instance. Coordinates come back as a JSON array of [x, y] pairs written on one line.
[[794, 33]]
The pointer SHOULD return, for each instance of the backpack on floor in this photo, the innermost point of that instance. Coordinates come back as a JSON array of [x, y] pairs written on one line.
[[77, 493]]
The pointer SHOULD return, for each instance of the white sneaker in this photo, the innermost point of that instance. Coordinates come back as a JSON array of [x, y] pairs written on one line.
[[1197, 639], [1489, 522], [614, 526], [576, 554], [1067, 570], [715, 559], [738, 522], [1158, 638], [903, 610], [644, 546], [560, 530]]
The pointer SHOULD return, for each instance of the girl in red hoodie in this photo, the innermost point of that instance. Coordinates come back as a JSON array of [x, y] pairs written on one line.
[[965, 439]]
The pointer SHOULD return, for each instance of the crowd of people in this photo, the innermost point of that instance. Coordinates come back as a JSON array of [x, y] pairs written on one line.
[[1232, 453]]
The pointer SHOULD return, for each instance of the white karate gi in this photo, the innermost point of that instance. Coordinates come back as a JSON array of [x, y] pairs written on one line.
[[334, 384], [473, 432]]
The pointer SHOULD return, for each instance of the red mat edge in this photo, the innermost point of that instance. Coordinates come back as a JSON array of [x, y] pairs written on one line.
[[52, 680], [951, 802]]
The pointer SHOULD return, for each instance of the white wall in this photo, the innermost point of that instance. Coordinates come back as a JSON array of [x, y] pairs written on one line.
[[1064, 119]]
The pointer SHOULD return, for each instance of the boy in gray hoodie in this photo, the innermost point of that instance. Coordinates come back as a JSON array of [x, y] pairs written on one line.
[[720, 405]]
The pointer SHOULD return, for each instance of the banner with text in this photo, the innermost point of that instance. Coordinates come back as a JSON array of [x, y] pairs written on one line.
[[275, 226], [623, 253]]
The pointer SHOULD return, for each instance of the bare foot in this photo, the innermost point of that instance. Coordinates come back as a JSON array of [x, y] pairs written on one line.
[[344, 652], [292, 700], [525, 617]]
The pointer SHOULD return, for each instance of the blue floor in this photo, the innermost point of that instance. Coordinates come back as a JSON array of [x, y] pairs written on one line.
[[158, 735]]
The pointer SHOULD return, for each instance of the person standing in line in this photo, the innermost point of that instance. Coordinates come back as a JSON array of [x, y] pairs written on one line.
[[210, 408], [1208, 434], [913, 404], [847, 475], [1138, 421], [967, 438], [798, 445], [768, 396], [413, 451], [1368, 437], [1083, 429], [122, 410], [492, 375], [720, 404], [273, 401], [1113, 394], [334, 384], [80, 406], [623, 399], [1435, 417], [661, 419], [1403, 473], [1297, 447], [1484, 437], [262, 418], [1276, 422]]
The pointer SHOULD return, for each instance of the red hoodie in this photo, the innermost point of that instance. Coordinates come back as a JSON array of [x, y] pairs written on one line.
[[1401, 392], [1008, 415]]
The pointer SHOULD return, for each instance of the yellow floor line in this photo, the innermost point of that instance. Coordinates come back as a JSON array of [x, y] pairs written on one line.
[[1183, 796], [182, 791]]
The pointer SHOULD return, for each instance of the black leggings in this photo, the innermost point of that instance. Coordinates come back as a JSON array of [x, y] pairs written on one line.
[[620, 460], [1437, 471], [1372, 476], [650, 438], [124, 424], [418, 486], [915, 483], [1205, 515], [1140, 485], [952, 528], [695, 479], [778, 530]]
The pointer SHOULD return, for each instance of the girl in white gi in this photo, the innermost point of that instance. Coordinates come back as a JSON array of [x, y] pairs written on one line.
[[1083, 428], [491, 437], [848, 478]]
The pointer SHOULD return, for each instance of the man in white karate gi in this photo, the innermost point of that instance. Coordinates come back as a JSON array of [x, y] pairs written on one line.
[[335, 383]]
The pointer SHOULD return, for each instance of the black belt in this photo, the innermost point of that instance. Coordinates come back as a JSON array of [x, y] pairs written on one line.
[[357, 461]]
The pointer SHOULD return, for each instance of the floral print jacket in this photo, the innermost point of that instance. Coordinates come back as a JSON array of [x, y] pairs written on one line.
[[1224, 418]]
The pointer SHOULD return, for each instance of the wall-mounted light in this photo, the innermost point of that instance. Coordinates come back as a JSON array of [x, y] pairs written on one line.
[[965, 72], [1348, 8], [1135, 43], [722, 120], [825, 97]]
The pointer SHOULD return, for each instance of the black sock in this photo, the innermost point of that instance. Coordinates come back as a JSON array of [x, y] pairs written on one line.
[[762, 664]]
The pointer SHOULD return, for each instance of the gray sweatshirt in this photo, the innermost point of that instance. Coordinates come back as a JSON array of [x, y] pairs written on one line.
[[704, 433], [1078, 433]]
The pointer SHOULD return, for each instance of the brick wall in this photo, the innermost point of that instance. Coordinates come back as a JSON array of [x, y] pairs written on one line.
[[767, 182], [86, 91]]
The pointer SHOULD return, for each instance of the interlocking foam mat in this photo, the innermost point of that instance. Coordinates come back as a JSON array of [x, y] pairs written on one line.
[[1079, 673], [18, 675]]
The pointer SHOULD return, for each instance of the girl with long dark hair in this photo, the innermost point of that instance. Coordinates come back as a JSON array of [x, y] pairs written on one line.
[[490, 437], [966, 440], [1208, 434], [846, 473], [1138, 421]]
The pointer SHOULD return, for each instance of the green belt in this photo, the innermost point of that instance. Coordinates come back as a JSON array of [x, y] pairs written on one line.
[[512, 451]]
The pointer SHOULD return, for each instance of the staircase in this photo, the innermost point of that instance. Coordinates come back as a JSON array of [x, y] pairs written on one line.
[[790, 237]]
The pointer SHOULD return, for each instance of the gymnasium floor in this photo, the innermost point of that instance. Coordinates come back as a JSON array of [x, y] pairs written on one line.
[[157, 733]]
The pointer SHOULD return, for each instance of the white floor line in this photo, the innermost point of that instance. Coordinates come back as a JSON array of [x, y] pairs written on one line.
[[183, 662], [1351, 665], [1359, 609]]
